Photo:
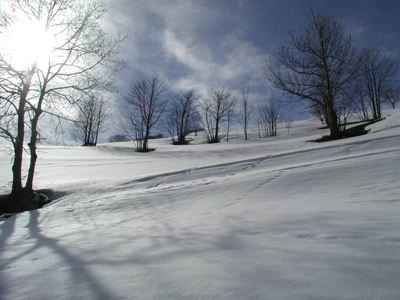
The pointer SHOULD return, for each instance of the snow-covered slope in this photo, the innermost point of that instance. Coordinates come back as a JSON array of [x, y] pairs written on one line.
[[276, 218]]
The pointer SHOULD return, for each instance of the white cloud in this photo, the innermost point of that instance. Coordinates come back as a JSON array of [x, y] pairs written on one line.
[[234, 60], [188, 43]]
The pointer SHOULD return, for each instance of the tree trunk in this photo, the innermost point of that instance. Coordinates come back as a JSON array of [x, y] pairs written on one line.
[[89, 135], [215, 140], [146, 141], [333, 123], [32, 149], [17, 192], [379, 107], [18, 150], [181, 135], [373, 105], [96, 137]]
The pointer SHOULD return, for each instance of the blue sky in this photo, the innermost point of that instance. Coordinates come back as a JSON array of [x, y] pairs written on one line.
[[226, 42]]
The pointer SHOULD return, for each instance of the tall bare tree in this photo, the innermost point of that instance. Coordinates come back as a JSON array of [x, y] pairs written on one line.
[[216, 107], [60, 53], [316, 64], [93, 112], [377, 75], [144, 104], [246, 110]]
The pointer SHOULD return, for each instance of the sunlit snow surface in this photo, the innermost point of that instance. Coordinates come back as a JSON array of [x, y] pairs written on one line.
[[276, 218]]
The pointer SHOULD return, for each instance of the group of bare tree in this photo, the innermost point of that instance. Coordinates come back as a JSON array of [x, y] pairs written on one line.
[[377, 72], [218, 107], [149, 105], [183, 116], [93, 113], [321, 66], [268, 116], [82, 60]]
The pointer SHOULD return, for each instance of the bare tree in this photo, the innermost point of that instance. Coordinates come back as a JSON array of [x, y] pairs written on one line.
[[288, 122], [318, 111], [181, 115], [230, 118], [60, 54], [315, 65], [216, 108], [170, 123], [246, 110], [347, 105], [143, 106], [93, 112], [268, 113], [196, 121], [392, 97], [362, 105], [377, 74]]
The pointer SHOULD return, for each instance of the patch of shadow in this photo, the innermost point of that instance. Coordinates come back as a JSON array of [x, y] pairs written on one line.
[[182, 143], [6, 229], [81, 274], [350, 132], [37, 200], [145, 151]]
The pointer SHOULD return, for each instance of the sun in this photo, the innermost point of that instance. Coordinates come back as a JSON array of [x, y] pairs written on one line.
[[29, 42]]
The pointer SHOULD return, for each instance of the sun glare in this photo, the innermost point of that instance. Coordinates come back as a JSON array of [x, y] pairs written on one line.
[[27, 41]]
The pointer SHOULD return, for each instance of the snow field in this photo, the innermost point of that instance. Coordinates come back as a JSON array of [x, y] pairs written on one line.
[[276, 218]]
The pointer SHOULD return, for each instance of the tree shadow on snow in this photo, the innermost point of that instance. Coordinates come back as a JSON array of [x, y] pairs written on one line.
[[82, 278], [7, 230]]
